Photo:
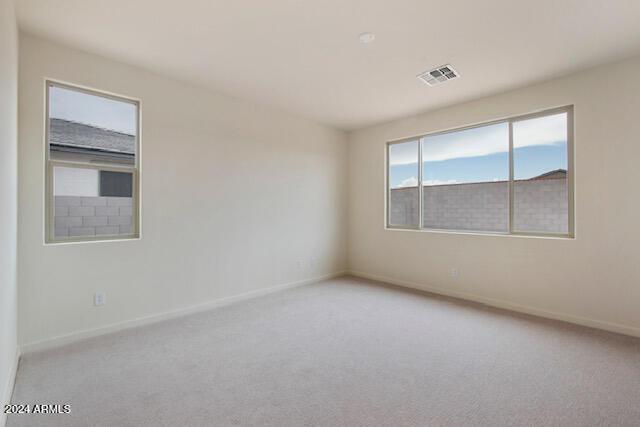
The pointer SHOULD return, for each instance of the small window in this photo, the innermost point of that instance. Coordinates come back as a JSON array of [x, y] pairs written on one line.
[[116, 184], [92, 165], [510, 177]]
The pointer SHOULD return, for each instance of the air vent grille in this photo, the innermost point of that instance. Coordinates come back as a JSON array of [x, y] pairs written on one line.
[[438, 75]]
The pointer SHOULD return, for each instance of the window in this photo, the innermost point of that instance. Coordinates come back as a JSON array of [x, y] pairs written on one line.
[[92, 157], [512, 176]]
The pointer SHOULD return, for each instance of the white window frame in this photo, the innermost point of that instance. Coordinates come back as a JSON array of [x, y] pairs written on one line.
[[134, 170], [510, 232]]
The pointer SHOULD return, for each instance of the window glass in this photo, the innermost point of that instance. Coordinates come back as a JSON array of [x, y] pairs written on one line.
[[466, 179], [116, 184], [486, 178], [92, 150], [83, 209], [540, 167], [403, 184]]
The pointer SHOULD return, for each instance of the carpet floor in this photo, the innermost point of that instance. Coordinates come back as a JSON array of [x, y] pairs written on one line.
[[345, 352]]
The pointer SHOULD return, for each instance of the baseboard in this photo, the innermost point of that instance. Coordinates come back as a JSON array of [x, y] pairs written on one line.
[[8, 388], [141, 321], [507, 305]]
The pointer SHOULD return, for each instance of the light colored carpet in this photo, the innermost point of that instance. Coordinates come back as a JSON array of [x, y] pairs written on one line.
[[345, 352]]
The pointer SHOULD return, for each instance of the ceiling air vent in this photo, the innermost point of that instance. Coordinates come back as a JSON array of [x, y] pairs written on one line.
[[438, 75]]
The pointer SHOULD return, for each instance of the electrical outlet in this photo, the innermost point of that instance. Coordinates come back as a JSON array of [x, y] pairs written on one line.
[[312, 262], [454, 272], [299, 264], [99, 299]]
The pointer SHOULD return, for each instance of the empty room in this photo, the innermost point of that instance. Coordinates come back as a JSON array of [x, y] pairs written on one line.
[[319, 213]]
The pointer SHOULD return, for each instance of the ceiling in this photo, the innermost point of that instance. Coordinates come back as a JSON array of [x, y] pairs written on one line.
[[305, 57]]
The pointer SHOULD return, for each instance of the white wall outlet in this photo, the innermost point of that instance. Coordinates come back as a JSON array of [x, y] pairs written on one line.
[[299, 264], [454, 272], [312, 263], [100, 298]]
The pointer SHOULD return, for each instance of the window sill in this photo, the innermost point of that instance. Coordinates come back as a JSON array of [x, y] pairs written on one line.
[[106, 239], [485, 233]]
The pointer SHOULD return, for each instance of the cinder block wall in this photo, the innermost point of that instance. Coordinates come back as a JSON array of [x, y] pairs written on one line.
[[539, 205], [92, 216], [403, 206], [483, 206]]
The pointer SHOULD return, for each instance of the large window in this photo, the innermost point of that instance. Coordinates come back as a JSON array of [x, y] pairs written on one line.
[[511, 177], [92, 157]]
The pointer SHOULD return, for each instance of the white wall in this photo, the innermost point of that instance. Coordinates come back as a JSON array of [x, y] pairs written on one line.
[[233, 196], [75, 182], [8, 201], [593, 279]]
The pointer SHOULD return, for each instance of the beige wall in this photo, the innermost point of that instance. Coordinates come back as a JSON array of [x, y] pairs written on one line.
[[8, 201], [264, 193], [291, 225], [593, 279]]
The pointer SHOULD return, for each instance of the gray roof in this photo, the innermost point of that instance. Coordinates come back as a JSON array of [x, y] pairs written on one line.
[[66, 133], [554, 174]]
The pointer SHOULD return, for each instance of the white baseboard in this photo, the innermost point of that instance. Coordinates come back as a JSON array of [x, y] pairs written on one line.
[[114, 327], [8, 388], [583, 321]]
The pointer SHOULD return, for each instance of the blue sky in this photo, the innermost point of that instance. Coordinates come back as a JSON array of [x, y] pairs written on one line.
[[482, 154], [93, 110]]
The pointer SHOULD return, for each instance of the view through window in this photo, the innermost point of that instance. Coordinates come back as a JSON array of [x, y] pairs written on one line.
[[92, 165], [540, 167], [403, 180], [510, 176]]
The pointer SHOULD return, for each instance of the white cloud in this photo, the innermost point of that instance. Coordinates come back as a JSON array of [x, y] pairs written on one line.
[[409, 182], [413, 182], [468, 143], [404, 153], [482, 141], [549, 130], [439, 182]]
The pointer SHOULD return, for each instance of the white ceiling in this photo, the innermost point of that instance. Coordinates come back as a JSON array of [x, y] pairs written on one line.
[[305, 57]]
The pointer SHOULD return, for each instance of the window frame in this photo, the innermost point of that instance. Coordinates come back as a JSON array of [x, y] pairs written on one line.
[[570, 234], [49, 164]]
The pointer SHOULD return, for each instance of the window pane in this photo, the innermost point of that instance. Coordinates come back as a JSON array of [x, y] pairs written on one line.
[[91, 128], [540, 198], [466, 179], [116, 184], [403, 184], [86, 129], [81, 209]]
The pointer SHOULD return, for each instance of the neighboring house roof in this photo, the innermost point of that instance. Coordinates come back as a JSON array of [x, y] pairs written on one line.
[[65, 133], [554, 174]]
